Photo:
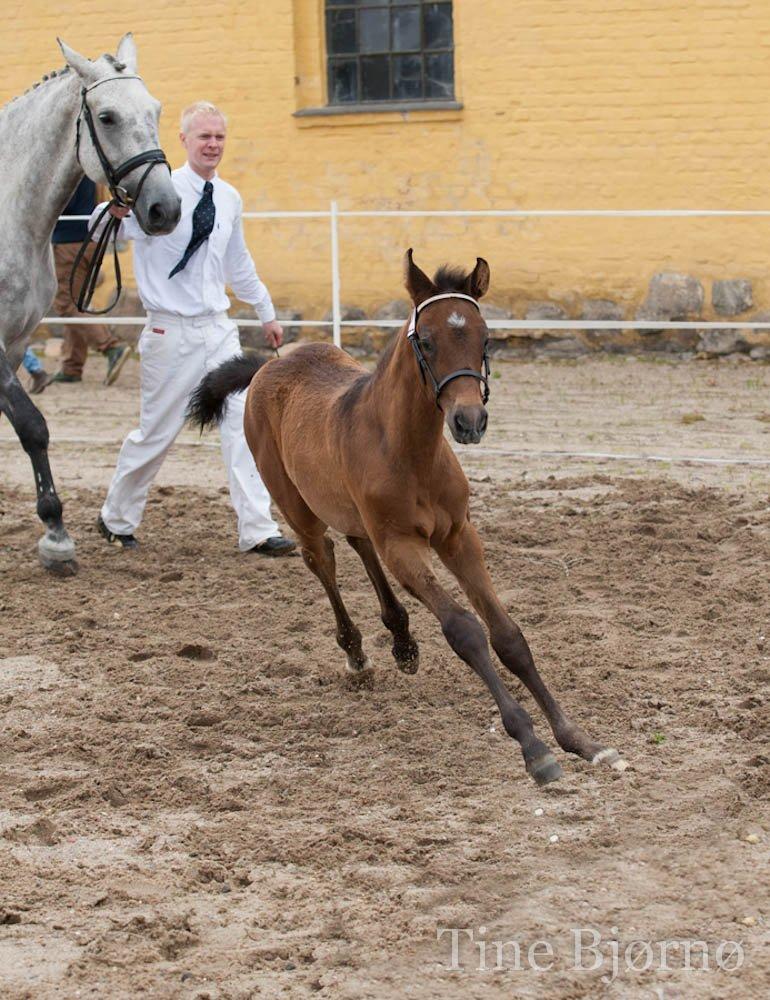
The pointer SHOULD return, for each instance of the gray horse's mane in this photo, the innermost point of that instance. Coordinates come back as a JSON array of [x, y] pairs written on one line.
[[55, 73]]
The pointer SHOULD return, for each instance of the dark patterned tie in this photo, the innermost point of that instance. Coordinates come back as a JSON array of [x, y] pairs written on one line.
[[202, 224]]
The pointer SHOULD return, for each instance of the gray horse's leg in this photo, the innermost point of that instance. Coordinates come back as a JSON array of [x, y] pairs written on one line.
[[56, 549]]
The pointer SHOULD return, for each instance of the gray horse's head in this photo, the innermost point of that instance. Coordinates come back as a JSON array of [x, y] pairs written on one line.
[[125, 117]]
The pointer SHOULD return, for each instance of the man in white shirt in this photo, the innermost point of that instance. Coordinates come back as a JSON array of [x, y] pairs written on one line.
[[181, 280]]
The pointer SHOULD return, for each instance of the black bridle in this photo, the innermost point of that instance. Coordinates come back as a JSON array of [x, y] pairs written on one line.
[[425, 369], [120, 199]]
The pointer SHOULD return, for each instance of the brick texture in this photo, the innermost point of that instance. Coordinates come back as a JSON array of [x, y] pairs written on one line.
[[566, 104]]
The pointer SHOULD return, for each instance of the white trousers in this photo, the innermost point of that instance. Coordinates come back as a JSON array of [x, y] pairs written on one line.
[[176, 353]]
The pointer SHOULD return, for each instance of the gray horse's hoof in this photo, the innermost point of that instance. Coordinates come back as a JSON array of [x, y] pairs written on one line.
[[58, 556], [545, 769], [62, 569], [611, 757]]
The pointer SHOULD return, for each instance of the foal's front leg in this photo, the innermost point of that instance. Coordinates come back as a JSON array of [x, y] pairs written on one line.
[[465, 559], [56, 549], [409, 561]]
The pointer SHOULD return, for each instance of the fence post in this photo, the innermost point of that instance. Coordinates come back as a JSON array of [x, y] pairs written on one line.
[[336, 328]]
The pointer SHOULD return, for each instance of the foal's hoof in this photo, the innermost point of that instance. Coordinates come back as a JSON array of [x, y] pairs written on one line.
[[58, 557], [359, 676], [409, 665], [545, 769], [611, 757]]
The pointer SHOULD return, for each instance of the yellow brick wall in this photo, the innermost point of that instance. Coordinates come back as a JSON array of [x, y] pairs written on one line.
[[566, 104]]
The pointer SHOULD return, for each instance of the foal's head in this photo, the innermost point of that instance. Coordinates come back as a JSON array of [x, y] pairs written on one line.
[[450, 339]]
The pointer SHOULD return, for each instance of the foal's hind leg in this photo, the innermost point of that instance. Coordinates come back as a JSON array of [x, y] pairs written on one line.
[[318, 553], [409, 561], [394, 616], [316, 547], [466, 561], [56, 549]]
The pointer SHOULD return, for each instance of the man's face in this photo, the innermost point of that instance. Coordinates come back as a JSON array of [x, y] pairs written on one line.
[[205, 143]]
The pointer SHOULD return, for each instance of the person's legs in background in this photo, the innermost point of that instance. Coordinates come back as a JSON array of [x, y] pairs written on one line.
[[172, 364], [40, 377], [257, 531]]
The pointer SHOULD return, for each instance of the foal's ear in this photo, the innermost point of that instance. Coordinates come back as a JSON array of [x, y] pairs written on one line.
[[478, 281], [418, 284], [84, 68], [127, 52]]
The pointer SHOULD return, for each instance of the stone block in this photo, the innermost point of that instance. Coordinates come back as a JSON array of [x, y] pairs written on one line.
[[601, 309], [672, 296], [731, 298], [491, 312], [717, 342], [399, 309]]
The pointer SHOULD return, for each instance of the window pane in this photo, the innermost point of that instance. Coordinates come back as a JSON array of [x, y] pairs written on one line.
[[406, 29], [374, 35], [341, 31], [439, 76], [343, 81], [438, 25], [407, 77], [343, 3], [375, 78]]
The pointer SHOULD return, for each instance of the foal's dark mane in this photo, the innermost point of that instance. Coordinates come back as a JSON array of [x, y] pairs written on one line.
[[450, 279]]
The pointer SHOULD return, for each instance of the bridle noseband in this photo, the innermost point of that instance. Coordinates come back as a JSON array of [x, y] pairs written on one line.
[[425, 369], [120, 198]]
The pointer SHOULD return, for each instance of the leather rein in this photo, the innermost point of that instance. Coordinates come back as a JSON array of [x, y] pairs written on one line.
[[120, 198], [425, 369]]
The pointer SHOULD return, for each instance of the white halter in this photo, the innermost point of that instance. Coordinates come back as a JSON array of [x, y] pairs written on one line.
[[412, 328]]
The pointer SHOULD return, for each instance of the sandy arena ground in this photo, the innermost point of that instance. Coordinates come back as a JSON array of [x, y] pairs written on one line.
[[196, 804]]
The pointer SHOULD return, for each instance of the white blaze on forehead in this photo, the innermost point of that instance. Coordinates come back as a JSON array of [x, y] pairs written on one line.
[[456, 320]]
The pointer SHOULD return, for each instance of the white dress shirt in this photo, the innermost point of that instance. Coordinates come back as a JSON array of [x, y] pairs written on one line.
[[223, 259]]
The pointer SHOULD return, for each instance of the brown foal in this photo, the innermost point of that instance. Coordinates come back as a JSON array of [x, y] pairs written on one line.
[[365, 454]]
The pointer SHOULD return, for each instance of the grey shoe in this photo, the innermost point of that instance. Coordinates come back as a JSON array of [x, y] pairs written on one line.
[[40, 380], [116, 357]]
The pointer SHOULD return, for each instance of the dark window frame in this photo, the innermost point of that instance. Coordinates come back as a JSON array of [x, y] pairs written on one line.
[[360, 61]]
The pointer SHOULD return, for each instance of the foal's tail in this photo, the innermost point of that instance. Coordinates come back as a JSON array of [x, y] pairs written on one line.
[[209, 401]]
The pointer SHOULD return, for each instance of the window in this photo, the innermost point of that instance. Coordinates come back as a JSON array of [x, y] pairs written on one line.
[[389, 50]]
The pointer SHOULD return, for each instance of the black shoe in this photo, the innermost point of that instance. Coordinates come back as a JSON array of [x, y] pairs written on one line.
[[275, 547], [127, 541]]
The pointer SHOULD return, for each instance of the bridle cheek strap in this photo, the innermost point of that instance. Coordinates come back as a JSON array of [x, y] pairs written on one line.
[[120, 198], [425, 369]]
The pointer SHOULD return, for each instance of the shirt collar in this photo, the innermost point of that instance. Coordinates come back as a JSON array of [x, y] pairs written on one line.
[[195, 180]]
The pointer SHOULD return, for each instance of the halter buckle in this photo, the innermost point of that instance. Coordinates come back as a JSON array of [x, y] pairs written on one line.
[[121, 197]]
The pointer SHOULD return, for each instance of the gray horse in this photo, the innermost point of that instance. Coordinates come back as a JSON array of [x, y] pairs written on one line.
[[45, 147]]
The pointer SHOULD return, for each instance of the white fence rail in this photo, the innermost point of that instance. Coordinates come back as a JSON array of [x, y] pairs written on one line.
[[334, 215]]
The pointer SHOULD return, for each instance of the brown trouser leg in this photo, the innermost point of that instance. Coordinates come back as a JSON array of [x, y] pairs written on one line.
[[77, 338]]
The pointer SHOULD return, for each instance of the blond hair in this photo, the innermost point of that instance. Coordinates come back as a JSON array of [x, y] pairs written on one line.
[[191, 112]]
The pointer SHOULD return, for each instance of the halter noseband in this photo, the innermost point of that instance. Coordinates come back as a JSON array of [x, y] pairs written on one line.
[[425, 369], [120, 198]]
